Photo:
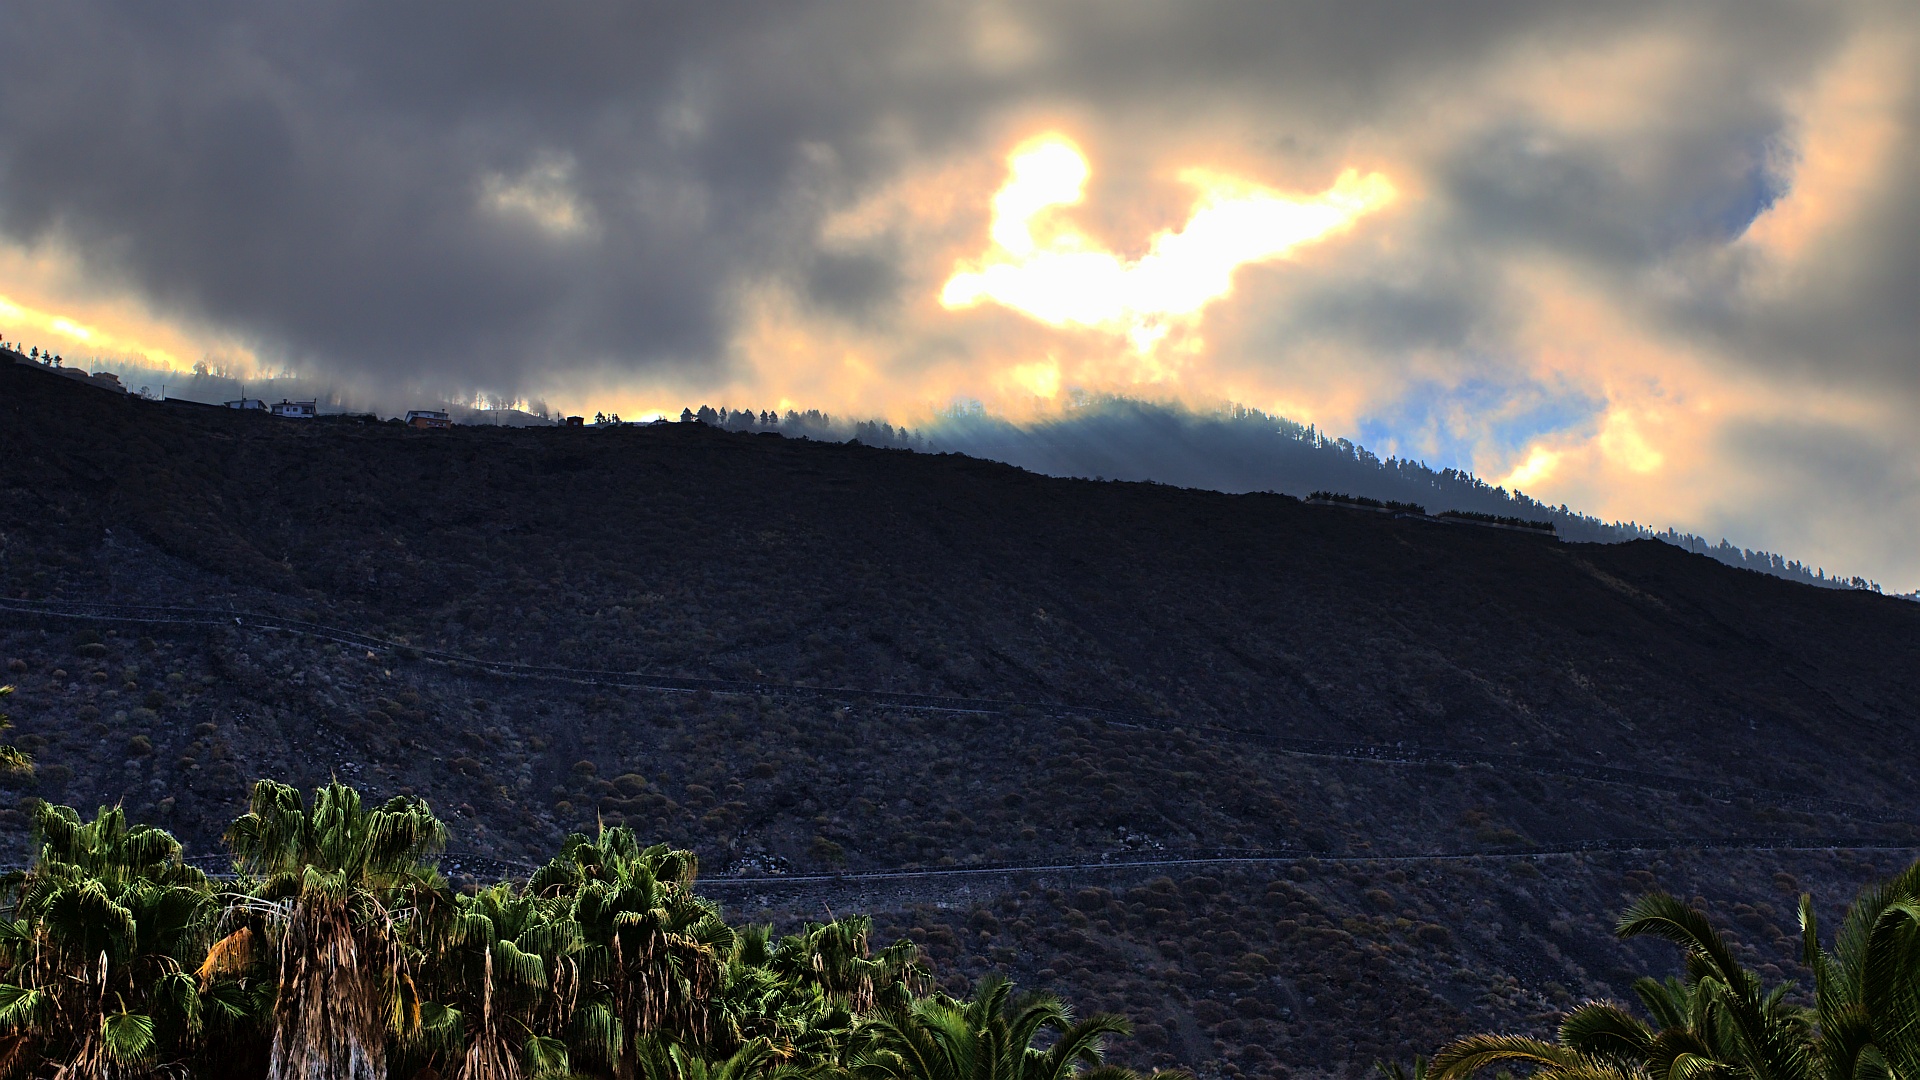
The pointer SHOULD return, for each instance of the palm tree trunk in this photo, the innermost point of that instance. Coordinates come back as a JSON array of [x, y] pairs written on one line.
[[488, 1056], [327, 1022]]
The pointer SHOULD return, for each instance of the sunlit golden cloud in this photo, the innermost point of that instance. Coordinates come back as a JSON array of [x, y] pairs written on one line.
[[1539, 466], [54, 330], [1041, 265], [49, 301]]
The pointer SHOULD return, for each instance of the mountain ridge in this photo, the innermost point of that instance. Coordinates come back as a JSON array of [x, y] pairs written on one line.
[[1234, 449]]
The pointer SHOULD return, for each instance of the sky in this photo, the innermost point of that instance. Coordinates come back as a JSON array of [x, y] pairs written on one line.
[[1659, 262]]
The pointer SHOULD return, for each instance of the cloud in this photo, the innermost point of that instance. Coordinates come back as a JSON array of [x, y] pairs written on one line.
[[542, 195], [1635, 255], [51, 302], [1067, 279]]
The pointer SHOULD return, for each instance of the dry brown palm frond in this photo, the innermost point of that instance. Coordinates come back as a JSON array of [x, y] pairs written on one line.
[[489, 1057], [231, 955]]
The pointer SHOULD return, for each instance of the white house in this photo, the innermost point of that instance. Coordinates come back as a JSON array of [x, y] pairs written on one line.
[[295, 410]]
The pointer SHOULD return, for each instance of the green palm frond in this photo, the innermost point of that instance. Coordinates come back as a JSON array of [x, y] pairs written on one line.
[[233, 1000], [1464, 1057], [15, 933], [1080, 1043], [597, 1034], [1670, 1003], [546, 1058], [334, 840], [1673, 1044], [84, 917], [176, 996], [1752, 1030], [1853, 943], [1864, 989], [1660, 915], [439, 1030], [106, 849], [127, 1037], [1891, 985], [22, 1008], [1602, 1029], [654, 1060], [471, 927], [510, 964]]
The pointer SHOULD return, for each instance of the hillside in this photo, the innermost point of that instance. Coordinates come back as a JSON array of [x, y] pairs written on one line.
[[1149, 673]]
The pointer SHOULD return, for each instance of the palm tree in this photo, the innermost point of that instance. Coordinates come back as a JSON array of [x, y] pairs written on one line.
[[989, 1037], [1717, 1023], [834, 958], [345, 899], [752, 1060], [511, 974], [1597, 1041], [1867, 991], [802, 993], [109, 849], [650, 951], [1738, 1027], [97, 957], [753, 1003]]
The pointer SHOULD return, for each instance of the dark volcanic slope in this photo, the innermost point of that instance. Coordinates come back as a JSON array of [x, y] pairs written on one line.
[[682, 550]]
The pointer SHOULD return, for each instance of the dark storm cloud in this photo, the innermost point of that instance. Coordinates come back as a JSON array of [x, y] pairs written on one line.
[[1529, 188], [315, 173]]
